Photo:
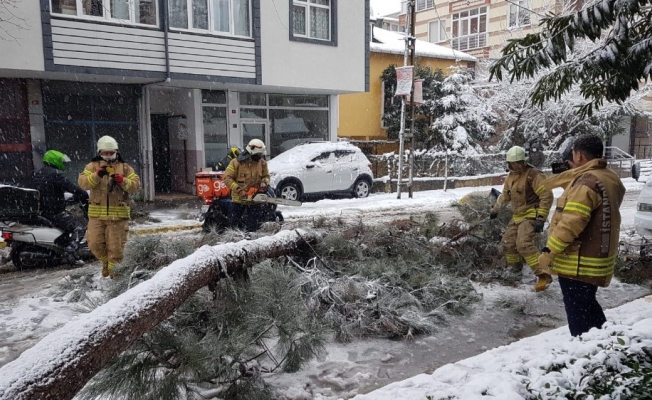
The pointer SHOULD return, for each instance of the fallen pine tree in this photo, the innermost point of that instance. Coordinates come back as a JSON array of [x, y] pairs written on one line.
[[63, 362]]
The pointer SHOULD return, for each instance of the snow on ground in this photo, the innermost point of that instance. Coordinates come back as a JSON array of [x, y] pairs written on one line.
[[29, 310], [498, 373]]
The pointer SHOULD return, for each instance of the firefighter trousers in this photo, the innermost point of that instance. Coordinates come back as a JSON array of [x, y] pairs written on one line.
[[107, 239], [519, 243]]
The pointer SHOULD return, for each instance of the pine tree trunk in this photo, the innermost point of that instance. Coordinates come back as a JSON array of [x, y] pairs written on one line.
[[63, 362]]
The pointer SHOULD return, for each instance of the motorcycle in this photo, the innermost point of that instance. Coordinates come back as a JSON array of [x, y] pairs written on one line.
[[215, 213], [33, 240]]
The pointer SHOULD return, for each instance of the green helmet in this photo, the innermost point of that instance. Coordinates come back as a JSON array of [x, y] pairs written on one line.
[[55, 159], [516, 153]]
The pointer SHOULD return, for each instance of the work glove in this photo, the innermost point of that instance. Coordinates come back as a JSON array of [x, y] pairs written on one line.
[[493, 215], [545, 260], [263, 185], [102, 172], [118, 178], [242, 193], [538, 224]]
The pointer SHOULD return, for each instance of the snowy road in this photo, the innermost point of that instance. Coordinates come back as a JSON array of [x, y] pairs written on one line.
[[30, 308]]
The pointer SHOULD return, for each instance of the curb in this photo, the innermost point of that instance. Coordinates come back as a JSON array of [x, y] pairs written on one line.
[[163, 229]]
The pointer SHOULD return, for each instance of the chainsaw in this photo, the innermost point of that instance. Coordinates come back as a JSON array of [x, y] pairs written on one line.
[[258, 195]]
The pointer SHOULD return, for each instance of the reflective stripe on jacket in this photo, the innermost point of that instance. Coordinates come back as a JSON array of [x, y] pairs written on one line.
[[585, 230], [109, 201], [245, 173], [526, 193]]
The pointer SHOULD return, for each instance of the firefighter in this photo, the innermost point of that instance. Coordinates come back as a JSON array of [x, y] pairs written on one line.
[[52, 185], [233, 153], [584, 234], [247, 171], [530, 203], [111, 181]]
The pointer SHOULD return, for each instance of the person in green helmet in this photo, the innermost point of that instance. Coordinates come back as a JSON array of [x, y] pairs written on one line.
[[52, 186], [530, 202]]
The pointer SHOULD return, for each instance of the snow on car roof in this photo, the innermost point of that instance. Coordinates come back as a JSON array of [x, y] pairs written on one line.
[[306, 151]]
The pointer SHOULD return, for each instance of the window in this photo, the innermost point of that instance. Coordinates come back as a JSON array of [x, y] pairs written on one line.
[[133, 11], [519, 13], [437, 31], [425, 4], [313, 20], [218, 16], [214, 112], [470, 29]]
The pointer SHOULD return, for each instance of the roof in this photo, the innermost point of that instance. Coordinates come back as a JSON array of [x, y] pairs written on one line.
[[384, 41]]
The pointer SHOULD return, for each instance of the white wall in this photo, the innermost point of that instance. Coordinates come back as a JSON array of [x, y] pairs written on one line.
[[21, 40], [293, 64]]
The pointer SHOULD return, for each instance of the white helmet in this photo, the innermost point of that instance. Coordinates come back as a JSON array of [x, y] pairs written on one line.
[[256, 146], [107, 143], [516, 153]]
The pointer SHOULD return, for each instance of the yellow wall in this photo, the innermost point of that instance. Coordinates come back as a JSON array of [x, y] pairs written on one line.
[[360, 112]]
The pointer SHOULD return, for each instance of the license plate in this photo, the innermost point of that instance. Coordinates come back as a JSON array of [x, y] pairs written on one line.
[[204, 208]]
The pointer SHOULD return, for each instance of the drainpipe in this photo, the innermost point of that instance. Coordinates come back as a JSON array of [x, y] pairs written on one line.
[[147, 151]]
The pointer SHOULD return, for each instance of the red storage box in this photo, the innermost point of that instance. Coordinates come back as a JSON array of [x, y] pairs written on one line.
[[211, 184]]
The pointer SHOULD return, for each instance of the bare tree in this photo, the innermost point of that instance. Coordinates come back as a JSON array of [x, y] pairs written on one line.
[[10, 22]]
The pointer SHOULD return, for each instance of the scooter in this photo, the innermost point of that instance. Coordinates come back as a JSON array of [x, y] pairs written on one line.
[[33, 240], [216, 211]]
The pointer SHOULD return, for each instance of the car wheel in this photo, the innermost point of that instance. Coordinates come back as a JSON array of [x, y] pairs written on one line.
[[361, 188], [290, 191]]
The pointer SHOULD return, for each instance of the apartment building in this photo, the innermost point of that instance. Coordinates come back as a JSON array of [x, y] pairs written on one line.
[[482, 27], [176, 82]]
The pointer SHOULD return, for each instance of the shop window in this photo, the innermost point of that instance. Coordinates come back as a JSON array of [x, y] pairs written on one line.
[[215, 16], [74, 122], [132, 11], [291, 127]]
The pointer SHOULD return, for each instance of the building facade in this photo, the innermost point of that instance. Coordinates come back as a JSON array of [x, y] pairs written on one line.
[[176, 82], [482, 27], [361, 114]]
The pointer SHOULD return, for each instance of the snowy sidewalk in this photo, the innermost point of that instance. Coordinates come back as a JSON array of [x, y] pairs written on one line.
[[504, 372]]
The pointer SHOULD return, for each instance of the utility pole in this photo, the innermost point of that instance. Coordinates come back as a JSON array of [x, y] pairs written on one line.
[[401, 134], [413, 16]]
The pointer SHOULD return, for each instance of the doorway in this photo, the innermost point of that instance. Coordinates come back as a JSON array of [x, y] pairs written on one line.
[[161, 153]]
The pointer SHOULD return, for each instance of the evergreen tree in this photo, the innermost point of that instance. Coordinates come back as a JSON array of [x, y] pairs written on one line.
[[609, 72], [424, 114], [463, 119]]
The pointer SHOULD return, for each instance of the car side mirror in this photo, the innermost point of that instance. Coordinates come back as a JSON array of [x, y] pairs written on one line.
[[310, 165], [636, 171]]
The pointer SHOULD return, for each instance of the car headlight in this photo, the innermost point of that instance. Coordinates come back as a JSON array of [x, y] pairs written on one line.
[[645, 207]]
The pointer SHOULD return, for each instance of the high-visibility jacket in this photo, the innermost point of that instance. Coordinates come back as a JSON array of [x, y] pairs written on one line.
[[525, 191], [245, 173], [585, 230], [108, 200]]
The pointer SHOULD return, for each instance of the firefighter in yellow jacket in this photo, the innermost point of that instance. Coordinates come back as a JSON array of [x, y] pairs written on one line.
[[110, 181], [245, 173], [584, 233], [531, 204]]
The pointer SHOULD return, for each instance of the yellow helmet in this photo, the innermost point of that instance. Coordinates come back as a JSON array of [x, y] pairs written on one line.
[[516, 153]]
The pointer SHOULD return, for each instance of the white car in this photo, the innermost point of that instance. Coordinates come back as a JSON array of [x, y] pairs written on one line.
[[319, 169], [643, 217]]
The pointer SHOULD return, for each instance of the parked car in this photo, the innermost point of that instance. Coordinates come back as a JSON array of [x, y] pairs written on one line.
[[643, 217], [320, 169]]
